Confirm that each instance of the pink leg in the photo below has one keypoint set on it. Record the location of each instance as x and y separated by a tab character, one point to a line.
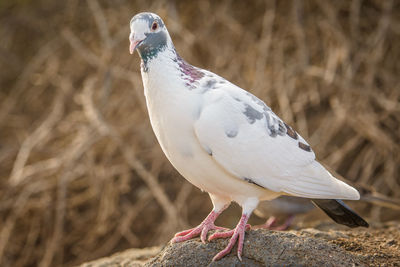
226	234
267	225
285	225
202	229
237	232
185	232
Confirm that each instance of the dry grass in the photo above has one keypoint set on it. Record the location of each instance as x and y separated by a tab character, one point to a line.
81	174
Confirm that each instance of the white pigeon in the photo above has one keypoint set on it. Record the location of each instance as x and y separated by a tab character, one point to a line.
221	138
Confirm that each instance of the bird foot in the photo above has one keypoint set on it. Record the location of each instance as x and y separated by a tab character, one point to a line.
269	224
236	233
225	234
202	229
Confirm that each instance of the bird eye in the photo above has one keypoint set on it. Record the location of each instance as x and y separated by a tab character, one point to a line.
154	26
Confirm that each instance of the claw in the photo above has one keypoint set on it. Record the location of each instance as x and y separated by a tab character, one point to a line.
202	229
269	224
225	234
288	222
195	232
238	232
184	232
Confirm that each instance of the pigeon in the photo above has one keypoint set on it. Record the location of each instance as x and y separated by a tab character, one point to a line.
223	139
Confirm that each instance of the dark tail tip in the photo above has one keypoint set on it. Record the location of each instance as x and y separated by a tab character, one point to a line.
340	212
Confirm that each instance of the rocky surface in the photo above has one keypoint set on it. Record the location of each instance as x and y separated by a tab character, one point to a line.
377	246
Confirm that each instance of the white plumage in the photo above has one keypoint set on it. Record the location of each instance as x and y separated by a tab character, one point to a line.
221	138
276	163
190	123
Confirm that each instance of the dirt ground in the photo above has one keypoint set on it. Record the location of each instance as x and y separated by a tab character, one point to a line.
379	245
327	244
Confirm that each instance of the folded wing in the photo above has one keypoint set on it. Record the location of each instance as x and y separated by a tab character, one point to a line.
252	143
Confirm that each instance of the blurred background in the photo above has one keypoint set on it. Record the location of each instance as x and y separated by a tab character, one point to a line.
81	173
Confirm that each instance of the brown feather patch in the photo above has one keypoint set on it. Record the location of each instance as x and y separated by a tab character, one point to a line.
292	133
305	147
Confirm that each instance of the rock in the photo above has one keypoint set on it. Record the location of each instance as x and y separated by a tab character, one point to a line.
261	248
379	246
132	257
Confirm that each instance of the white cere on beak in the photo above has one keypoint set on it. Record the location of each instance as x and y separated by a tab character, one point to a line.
138	30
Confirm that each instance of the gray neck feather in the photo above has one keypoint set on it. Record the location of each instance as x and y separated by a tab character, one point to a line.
153	44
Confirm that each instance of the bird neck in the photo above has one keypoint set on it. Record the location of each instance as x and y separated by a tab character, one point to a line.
158	63
160	74
166	67
154	46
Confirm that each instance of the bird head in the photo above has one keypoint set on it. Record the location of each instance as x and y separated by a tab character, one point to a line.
148	35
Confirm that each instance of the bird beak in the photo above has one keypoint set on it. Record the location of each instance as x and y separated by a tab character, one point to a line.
133	43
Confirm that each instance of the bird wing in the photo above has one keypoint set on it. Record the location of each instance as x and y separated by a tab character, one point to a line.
252	143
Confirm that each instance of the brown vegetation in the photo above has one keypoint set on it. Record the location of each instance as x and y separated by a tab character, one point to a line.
81	174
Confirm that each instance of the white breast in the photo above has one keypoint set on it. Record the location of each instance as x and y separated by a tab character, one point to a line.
173	110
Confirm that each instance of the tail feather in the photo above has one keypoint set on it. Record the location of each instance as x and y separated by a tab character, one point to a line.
340	212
